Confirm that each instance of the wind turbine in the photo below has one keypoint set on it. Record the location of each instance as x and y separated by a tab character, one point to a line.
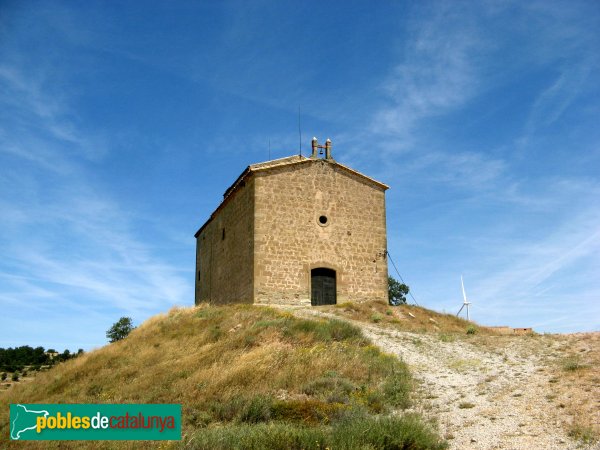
465	302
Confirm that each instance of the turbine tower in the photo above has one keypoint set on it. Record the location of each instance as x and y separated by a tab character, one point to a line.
465	301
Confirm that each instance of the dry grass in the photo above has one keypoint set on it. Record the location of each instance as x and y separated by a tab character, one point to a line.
407	318
578	385
234	364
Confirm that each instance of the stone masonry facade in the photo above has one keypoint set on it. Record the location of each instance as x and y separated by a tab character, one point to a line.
282	219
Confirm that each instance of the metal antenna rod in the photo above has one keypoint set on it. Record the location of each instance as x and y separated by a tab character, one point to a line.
299	133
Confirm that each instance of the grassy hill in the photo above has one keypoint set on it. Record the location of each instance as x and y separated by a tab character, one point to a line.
247	377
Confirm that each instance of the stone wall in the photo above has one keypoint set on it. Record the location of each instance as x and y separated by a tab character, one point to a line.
224	251
290	240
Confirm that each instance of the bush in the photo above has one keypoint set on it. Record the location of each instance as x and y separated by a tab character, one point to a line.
15	376
324	330
471	330
4	375
572	364
258	409
584	434
444	337
330	389
215	333
407	432
397	388
307	411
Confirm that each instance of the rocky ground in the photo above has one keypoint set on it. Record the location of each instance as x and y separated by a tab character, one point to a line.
493	392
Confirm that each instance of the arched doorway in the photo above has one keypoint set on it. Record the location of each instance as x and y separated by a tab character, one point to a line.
322	287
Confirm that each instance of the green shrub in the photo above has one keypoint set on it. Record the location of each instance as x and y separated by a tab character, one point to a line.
407	432
397	388
584	434
324	330
308	411
215	333
374	400
444	337
471	329
573	363
258	409
344	331
210	313
227	410
330	389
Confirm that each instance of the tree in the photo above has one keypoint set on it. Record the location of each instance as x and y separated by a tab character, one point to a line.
397	292
65	355
120	329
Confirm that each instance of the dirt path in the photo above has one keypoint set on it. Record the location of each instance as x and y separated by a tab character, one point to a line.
486	392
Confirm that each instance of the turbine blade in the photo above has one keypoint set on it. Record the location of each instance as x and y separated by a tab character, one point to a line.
463	288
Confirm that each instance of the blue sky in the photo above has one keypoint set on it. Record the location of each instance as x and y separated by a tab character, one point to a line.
122	123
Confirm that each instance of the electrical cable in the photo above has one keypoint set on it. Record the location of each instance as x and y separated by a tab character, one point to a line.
401	279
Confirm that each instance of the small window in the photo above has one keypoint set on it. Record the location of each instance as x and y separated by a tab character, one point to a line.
323	220
198	275
223	234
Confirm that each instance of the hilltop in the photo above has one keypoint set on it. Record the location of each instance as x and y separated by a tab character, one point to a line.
247	377
345	376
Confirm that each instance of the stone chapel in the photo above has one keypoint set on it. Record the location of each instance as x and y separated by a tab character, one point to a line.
298	231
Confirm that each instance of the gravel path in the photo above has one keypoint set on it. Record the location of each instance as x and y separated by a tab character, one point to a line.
485	392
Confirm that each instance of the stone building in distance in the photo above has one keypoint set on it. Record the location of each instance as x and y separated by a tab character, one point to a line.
296	231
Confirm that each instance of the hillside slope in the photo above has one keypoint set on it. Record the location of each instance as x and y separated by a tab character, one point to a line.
251	377
489	390
246	377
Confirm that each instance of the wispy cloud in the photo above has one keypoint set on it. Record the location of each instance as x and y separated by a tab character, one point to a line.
549	276
545	226
40	127
437	74
440	69
65	237
552	102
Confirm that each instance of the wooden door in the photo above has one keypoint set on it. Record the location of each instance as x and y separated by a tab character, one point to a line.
323	287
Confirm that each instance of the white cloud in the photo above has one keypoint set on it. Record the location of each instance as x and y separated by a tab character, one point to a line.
437	75
69	248
540	279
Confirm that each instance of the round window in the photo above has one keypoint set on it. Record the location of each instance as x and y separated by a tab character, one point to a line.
323	220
